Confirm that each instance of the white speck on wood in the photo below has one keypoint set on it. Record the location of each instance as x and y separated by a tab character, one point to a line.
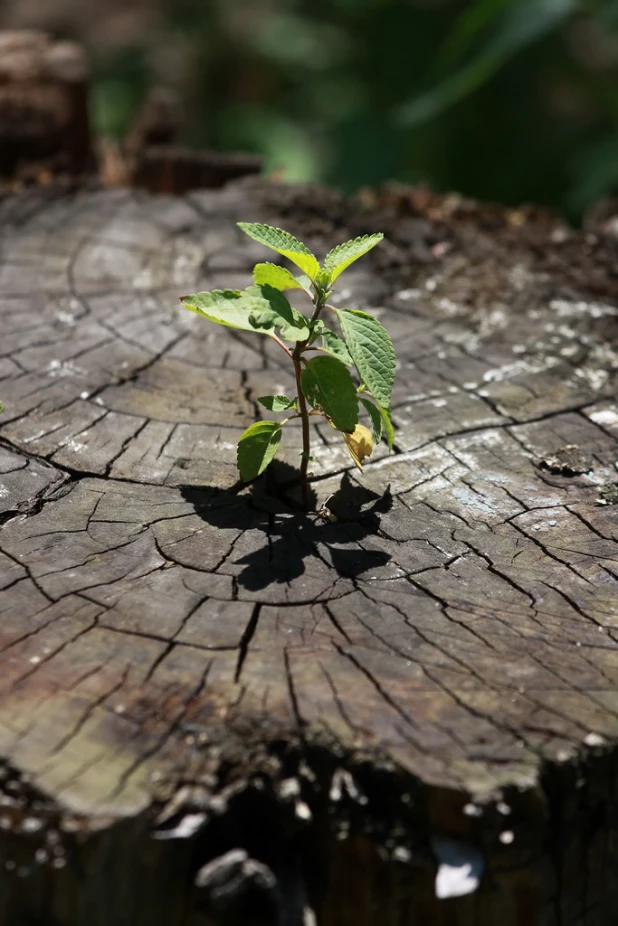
460	867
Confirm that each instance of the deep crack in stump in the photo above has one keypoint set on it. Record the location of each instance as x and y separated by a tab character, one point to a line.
215	710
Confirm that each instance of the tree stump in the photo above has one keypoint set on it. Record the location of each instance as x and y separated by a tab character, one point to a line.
216	710
44	123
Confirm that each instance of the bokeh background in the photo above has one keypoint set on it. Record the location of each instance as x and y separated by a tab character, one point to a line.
508	100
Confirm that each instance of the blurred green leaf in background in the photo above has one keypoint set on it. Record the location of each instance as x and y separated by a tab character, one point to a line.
510	100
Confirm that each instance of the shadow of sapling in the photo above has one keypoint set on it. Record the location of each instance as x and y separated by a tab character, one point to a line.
289	537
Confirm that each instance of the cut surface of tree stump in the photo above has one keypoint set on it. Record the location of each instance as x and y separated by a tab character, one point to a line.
216	710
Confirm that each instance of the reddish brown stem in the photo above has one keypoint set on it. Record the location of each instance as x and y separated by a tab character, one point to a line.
281	344
304	415
302	404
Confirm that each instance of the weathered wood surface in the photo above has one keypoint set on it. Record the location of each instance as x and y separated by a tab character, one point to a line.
335	699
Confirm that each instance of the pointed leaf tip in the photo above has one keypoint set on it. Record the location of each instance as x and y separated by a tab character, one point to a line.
284	243
278	277
388	426
345	254
376	418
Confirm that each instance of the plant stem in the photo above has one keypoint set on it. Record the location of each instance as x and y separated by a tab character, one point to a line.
281	344
318	302
302	408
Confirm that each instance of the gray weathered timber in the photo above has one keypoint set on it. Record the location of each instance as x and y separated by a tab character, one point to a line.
216	711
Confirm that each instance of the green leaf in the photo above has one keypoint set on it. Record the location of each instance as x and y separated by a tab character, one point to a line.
229	307
256	448
323	280
258	308
388	426
327	384
294	325
519	25
266	299
277	403
277	312
276	276
285	244
376	419
332	343
372	351
316	327
345	254
292	333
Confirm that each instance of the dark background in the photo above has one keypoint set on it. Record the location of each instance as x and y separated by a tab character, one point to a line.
510	100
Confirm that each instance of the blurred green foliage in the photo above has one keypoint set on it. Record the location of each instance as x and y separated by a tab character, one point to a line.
511	100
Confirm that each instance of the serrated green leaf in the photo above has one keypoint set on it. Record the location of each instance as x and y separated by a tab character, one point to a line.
285	244
372	351
279	277
327	384
345	254
336	346
388	426
277	403
256	448
376	419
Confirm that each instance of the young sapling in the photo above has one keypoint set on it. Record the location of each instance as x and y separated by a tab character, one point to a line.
321	358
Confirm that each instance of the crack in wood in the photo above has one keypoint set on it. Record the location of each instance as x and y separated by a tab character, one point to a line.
452	635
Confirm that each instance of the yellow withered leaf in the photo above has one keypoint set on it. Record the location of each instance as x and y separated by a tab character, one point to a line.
359	444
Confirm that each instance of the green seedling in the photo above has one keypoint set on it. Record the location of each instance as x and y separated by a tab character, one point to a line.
321	357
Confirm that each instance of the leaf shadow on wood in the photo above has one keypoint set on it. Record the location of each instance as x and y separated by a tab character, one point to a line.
282	539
